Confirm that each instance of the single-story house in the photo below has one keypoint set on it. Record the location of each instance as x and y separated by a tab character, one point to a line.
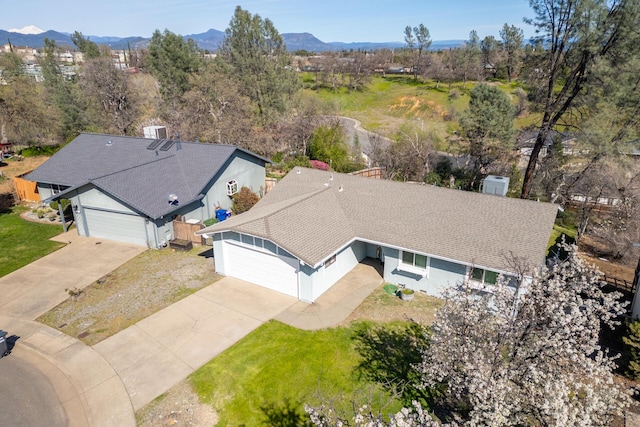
315	226
130	189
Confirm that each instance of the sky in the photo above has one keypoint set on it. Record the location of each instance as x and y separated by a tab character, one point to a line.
328	20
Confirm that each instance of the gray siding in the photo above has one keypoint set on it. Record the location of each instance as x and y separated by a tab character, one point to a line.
442	274
246	170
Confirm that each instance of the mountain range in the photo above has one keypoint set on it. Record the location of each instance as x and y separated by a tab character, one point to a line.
209	40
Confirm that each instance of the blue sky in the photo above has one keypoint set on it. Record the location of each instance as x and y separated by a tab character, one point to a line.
328	20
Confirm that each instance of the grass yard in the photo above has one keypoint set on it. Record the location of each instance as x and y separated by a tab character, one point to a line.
278	368
388	102
22	242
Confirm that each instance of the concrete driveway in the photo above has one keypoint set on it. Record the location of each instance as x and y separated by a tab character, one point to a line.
81	384
38	287
160	351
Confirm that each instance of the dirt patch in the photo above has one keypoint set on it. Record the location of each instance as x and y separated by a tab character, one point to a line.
180	406
12	167
144	285
382	307
609	268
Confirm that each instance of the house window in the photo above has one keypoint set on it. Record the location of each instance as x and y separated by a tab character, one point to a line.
330	261
55	188
484	276
413	263
415	260
232	187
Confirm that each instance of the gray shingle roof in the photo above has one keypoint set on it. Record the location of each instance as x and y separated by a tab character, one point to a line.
128	171
312	220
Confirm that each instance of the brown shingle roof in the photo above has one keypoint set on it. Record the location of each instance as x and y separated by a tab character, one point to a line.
312	220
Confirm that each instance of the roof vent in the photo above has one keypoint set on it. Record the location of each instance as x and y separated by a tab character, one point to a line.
340	189
298	171
326	184
109	143
173	199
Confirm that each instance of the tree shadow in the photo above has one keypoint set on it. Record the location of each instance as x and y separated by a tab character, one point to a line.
285	414
389	355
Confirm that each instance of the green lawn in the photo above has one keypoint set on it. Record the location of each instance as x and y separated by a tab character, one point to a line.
278	368
387	102
22	242
556	237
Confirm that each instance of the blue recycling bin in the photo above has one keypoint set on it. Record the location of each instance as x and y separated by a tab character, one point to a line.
222	214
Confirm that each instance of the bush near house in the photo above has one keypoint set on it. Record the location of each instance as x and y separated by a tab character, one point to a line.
244	200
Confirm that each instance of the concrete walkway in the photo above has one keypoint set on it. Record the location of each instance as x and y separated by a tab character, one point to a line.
88	388
334	306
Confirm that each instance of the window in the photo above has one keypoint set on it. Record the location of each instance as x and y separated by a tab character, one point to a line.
330	261
416	260
232	187
413	263
55	188
484	276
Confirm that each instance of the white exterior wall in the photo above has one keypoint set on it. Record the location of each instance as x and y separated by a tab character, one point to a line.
315	282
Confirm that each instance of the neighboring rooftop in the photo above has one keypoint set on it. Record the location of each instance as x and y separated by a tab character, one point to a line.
127	169
313	213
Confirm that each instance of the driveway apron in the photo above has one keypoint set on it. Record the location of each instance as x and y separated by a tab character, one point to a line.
160	351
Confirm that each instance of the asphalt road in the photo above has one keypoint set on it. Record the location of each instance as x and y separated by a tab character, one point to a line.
27	398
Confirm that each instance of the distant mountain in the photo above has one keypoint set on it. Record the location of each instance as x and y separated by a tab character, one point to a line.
29	29
209	40
34	40
304	41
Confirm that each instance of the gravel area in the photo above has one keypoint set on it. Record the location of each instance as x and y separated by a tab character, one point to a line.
146	284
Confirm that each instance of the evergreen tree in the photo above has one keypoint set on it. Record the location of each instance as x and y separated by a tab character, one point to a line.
258	58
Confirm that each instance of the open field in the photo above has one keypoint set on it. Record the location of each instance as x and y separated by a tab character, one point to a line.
388	102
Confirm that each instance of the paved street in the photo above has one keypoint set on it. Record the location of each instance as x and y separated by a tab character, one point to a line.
27	396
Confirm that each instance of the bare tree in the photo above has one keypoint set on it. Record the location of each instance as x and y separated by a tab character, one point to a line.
112	96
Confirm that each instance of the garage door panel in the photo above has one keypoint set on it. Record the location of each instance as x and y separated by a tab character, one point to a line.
116	226
271	271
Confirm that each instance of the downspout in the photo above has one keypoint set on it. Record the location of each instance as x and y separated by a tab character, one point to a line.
62	219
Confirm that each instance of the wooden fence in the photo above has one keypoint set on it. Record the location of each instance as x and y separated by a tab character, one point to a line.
26	190
376	173
620	284
186	231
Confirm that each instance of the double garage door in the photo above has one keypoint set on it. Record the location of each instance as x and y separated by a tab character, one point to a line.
115	226
275	272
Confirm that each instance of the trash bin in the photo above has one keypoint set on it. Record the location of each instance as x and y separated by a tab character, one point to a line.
3	344
222	214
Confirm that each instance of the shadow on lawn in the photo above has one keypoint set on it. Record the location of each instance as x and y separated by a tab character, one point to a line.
389	353
285	414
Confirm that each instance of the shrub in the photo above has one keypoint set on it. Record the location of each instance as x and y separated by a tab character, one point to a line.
39	150
210	221
244	200
632	344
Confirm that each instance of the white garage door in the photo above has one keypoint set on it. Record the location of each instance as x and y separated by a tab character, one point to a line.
116	226
271	271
